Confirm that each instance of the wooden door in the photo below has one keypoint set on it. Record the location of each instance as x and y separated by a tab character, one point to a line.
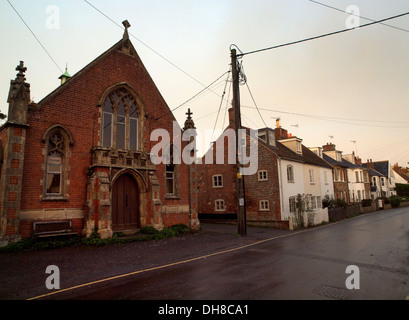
125	204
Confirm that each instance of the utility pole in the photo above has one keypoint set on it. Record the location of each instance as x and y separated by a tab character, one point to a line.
241	205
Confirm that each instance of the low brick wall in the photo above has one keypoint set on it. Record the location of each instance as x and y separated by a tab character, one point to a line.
336	214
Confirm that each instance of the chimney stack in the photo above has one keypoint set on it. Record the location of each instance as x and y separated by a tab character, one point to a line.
328	147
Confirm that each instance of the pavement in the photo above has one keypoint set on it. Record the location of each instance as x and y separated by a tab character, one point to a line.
23	275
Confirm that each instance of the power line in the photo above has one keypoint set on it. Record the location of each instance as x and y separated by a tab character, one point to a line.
38	40
206	88
362	17
322	36
259	113
220	106
324	118
147	46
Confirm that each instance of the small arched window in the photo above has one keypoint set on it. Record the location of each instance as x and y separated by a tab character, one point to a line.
120	121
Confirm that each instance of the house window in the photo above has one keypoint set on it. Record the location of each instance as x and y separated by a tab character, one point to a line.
357	176
339	157
218	181
54	171
264	205
383	182
290	173
171	176
311	176
298	146
262	175
170	179
120	121
293	207
56	163
219	205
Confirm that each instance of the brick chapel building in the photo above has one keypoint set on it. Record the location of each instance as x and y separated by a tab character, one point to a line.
82	154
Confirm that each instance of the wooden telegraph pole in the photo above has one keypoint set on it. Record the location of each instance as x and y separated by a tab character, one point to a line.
241	208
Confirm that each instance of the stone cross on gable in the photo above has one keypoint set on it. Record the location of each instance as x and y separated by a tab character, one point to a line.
21	70
189	114
189	123
127	25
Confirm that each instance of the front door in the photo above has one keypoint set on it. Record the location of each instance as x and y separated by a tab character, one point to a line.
125	204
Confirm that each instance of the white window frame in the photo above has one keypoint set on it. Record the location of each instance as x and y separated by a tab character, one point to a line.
293	204
262	175
219	205
216	182
311	173
290	177
264	205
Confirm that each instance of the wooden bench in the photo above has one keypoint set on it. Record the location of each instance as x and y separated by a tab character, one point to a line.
52	229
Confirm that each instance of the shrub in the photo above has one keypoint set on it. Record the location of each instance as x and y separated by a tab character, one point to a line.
180	228
148	230
395	201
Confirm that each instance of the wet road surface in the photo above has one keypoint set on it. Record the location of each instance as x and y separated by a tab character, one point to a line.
265	265
308	265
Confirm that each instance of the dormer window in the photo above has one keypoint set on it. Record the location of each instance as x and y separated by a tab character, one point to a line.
339	157
299	146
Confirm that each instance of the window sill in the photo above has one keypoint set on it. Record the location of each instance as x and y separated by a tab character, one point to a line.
171	197
54	198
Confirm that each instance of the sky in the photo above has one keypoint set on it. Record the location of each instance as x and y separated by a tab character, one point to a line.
350	89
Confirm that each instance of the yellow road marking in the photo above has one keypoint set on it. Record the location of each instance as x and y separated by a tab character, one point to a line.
181	262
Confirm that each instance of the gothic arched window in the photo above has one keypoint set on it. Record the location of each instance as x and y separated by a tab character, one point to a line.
120	121
54	163
57	142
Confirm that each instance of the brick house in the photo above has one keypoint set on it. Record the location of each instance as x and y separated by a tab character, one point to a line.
376	179
386	175
340	171
82	154
217	187
359	182
286	168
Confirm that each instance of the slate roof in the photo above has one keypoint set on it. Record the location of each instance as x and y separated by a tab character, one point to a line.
350	165
311	158
332	161
401	174
382	167
373	172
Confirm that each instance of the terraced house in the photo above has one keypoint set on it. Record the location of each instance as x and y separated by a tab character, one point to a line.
286	169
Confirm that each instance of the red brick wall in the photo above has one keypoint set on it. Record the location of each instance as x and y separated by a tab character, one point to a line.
75	107
255	190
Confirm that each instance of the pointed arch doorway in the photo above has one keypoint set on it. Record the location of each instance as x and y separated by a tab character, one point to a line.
125	204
